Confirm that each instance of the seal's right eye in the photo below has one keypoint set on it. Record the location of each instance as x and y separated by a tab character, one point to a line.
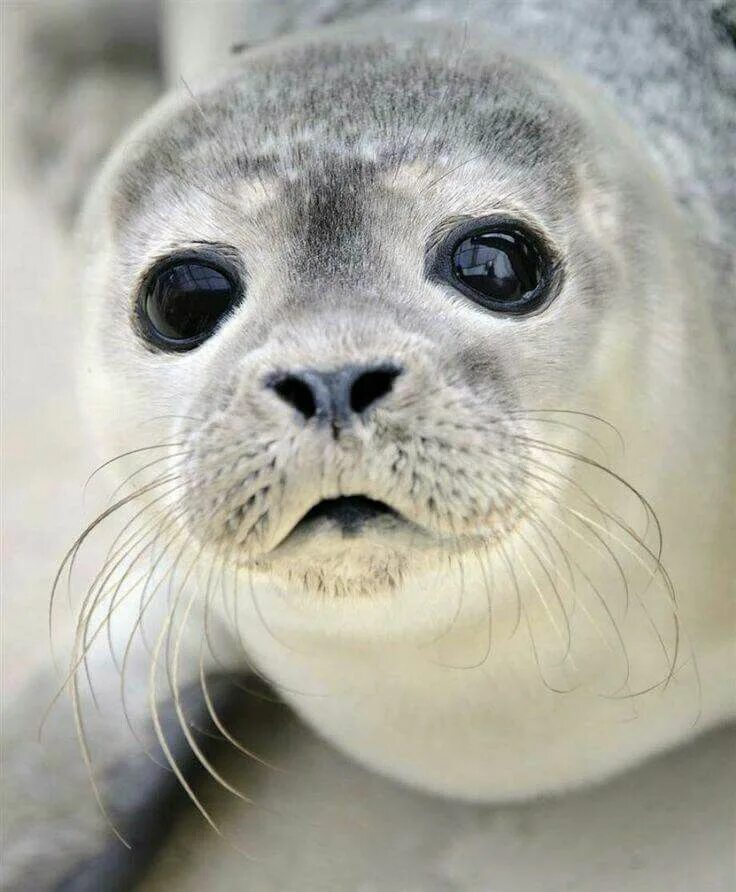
184	299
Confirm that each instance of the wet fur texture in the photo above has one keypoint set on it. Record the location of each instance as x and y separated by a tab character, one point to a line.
561	605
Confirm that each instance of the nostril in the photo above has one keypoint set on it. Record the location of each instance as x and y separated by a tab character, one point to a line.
297	393
334	395
370	386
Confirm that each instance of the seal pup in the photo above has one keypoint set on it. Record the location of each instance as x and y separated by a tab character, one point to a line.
387	316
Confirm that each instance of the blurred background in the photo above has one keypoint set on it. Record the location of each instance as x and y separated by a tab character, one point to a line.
322	823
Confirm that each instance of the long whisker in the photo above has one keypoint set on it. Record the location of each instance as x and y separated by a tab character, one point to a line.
171	467
601	600
79	654
87	757
123	455
97	590
164	519
68	560
591	416
458	607
84	612
451	170
556	486
172	669
146	601
433	119
567	637
205	641
583	459
161	737
530	632
564	425
672	661
598	531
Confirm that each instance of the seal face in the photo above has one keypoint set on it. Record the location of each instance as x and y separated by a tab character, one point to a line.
387	313
404	406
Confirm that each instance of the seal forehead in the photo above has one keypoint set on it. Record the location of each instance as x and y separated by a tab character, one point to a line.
380	103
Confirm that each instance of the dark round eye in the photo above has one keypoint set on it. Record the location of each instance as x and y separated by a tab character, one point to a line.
498	264
184	299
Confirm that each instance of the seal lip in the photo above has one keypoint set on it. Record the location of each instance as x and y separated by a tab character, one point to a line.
214	256
349	517
439	265
350	513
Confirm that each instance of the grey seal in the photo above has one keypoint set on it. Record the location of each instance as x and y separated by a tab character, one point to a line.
438	346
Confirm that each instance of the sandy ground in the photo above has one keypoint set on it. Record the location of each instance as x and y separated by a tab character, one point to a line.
322	824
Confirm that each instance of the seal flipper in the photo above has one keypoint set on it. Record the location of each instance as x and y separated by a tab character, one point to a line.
144	800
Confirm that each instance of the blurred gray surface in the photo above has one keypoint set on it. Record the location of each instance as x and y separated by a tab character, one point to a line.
321	824
325	824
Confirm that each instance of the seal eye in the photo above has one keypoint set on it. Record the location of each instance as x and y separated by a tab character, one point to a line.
499	264
184	299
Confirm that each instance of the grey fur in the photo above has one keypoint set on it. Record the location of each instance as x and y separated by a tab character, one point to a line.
676	86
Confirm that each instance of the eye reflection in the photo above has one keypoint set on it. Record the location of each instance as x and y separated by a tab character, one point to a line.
185	300
498	265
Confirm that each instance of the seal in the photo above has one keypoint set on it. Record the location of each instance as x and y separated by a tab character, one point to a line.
445	401
411	295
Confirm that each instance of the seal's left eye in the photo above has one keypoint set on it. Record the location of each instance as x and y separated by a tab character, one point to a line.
183	301
499	264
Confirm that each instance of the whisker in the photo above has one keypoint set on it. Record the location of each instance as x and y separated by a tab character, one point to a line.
123	455
604	605
235	621
205	641
84	608
79	654
452	170
87	758
161	737
162	521
591	416
68	560
437	111
217	721
576	456
169	418
604	545
173	676
172	467
567	637
671	661
458	607
96	591
143	607
571	427
532	639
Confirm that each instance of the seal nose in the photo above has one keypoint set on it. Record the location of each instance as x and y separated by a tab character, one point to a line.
337	395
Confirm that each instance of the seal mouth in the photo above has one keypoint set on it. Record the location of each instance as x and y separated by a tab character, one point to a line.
349	513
